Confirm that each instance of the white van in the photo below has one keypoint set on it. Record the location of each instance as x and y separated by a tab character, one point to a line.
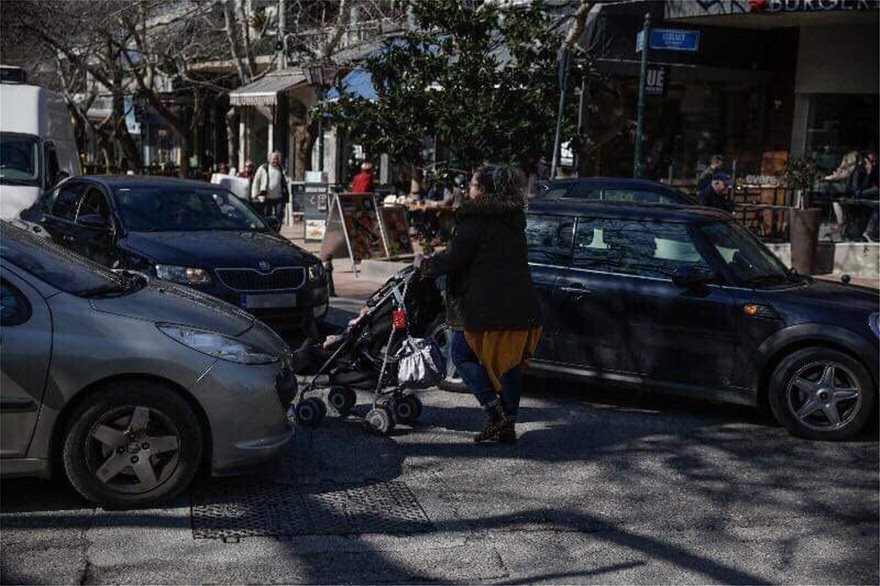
37	147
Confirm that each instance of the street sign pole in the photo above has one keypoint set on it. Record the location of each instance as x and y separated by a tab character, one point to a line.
640	124
564	58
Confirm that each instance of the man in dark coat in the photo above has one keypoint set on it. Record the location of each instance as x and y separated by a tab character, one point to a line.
714	195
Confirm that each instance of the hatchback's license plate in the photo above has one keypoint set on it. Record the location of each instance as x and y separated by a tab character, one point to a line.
268	301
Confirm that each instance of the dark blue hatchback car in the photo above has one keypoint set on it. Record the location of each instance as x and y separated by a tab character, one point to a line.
685	300
189	232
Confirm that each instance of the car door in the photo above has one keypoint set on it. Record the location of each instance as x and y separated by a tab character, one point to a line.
93	230
25	343
549	240
59	222
639	320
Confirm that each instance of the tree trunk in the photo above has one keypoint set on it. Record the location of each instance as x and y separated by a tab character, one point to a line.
304	136
232	120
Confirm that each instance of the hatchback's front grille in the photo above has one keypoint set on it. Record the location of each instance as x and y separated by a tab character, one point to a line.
279	279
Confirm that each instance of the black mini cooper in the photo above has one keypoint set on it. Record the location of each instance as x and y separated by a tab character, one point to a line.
685	300
189	232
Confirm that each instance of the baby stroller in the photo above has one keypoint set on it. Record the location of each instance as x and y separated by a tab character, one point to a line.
365	357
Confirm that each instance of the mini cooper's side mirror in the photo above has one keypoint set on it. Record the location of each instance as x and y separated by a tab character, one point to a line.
688	277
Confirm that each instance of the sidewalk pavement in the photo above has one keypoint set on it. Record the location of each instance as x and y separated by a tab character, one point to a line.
346	284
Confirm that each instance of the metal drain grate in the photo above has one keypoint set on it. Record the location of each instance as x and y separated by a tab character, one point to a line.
227	510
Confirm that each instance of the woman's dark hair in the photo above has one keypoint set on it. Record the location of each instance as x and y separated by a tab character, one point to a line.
501	181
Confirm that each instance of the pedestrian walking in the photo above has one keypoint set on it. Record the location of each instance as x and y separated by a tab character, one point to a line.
716	165
269	188
491	304
363	181
864	186
714	195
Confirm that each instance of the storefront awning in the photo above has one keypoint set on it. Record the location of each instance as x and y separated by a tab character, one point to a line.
358	83
264	92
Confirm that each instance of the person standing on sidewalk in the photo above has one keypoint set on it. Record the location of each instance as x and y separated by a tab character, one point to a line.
363	181
714	195
269	189
491	303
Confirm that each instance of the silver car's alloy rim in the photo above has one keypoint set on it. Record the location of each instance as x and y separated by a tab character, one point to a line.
824	395
133	449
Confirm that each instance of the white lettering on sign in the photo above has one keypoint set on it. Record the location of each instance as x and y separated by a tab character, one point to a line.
771	6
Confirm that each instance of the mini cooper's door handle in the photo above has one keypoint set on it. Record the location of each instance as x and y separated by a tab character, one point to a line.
575	288
67	238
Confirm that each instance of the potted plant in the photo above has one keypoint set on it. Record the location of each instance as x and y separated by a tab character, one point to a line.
798	176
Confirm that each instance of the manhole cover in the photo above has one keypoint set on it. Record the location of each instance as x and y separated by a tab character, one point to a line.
226	510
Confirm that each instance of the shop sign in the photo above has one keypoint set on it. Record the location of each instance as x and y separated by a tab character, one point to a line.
657	80
781	6
667	39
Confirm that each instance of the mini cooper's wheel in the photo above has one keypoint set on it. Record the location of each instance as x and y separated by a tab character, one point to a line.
380	420
342	399
822	394
406	409
135	443
308	413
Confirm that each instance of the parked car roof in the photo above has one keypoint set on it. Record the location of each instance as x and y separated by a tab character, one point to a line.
117	181
631	210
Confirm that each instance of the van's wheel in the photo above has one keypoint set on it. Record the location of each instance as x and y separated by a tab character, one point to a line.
135	443
441	334
822	394
380	420
342	399
308	413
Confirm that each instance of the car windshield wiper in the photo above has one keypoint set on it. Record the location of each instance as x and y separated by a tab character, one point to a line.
769	277
105	289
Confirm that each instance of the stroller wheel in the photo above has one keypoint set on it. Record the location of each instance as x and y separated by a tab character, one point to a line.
342	399
406	409
380	420
308	413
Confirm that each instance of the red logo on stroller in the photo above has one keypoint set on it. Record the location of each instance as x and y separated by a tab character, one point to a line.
398	319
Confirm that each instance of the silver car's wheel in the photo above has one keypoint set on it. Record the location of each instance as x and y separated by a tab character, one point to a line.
132	444
443	336
820	393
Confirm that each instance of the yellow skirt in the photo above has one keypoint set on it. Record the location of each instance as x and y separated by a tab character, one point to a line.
499	351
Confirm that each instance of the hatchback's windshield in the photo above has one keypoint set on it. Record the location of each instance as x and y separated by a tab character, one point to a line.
744	255
163	209
57	266
19	159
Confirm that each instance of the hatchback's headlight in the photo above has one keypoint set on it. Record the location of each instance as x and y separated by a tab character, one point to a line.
316	272
217	345
874	323
185	275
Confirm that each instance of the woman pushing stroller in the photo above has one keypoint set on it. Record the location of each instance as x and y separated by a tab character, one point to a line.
491	305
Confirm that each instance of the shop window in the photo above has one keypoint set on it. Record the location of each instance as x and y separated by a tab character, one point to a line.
841	123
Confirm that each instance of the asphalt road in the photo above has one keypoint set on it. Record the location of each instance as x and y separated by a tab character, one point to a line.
604	486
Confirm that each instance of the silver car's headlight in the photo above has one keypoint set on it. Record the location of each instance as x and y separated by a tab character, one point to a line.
316	272
217	345
874	323
185	275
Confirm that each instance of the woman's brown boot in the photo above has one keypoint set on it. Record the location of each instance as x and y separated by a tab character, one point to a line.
496	419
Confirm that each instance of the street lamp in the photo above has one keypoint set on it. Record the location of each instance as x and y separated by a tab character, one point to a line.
316	76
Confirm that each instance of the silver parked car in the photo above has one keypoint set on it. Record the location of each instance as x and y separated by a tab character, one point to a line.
131	383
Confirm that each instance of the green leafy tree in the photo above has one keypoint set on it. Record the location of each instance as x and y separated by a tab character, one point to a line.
481	78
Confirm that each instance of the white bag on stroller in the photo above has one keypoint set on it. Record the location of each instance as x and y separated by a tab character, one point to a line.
421	363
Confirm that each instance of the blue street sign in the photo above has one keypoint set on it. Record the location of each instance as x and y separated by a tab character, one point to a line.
668	39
